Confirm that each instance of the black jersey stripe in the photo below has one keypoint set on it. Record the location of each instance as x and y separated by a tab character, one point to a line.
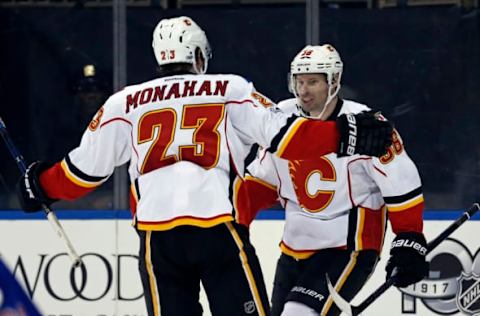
137	189
78	173
251	156
277	139
402	198
352	228
232	175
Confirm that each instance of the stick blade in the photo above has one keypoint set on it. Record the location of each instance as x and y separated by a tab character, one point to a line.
340	301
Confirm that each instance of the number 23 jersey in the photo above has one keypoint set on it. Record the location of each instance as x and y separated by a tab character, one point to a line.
186	137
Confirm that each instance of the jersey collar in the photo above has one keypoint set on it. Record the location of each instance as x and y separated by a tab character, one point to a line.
337	109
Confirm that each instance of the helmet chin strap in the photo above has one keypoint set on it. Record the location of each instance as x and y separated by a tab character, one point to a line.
330	97
205	65
200	70
196	68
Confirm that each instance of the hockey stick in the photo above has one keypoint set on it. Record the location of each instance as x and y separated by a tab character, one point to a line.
352	310
52	218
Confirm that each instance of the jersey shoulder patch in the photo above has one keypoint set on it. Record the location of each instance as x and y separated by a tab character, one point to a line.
95	122
262	99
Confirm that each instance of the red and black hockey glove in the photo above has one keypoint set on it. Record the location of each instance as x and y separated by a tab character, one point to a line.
364	133
407	262
29	190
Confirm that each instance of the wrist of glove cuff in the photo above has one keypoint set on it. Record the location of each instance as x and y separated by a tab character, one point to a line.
29	190
407	259
363	133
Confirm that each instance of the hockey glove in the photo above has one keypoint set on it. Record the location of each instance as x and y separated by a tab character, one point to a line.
363	133
407	259
29	190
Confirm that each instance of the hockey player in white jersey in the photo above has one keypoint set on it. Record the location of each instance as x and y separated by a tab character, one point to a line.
185	136
335	207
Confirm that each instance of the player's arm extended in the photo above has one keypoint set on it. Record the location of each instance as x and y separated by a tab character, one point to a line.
402	191
105	144
297	138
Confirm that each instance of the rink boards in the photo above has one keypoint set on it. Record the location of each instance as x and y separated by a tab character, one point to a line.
109	283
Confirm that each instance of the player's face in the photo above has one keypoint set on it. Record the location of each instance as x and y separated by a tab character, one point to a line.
312	91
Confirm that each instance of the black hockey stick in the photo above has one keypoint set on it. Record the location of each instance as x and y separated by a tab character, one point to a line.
52	218
352	310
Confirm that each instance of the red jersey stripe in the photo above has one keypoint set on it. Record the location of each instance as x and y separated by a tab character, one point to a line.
57	185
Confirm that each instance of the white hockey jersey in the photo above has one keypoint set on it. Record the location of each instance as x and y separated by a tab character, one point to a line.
340	202
186	138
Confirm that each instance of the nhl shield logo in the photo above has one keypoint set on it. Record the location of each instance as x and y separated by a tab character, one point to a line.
468	294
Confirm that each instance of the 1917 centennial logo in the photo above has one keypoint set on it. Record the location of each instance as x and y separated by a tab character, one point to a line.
453	283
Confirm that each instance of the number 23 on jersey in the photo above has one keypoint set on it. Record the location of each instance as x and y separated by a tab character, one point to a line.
204	150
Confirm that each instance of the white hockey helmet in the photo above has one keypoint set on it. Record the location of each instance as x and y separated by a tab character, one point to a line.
175	40
318	59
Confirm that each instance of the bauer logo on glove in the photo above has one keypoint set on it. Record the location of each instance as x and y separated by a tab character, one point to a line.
364	133
407	263
410	244
352	137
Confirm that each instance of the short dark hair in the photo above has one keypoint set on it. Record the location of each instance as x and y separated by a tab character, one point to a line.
176	68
